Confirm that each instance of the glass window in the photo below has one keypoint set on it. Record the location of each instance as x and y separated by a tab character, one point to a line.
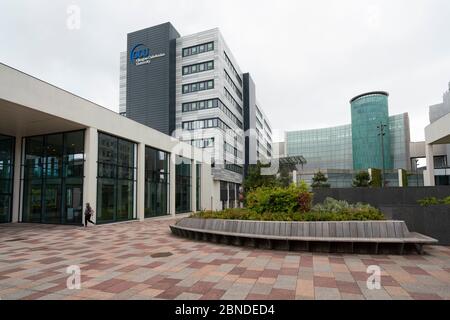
53	178
156	182
6	175
183	184
116	179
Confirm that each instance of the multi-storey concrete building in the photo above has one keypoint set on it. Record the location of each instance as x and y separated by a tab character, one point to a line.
436	147
192	88
123	84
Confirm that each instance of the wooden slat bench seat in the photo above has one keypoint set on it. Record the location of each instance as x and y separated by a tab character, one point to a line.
306	235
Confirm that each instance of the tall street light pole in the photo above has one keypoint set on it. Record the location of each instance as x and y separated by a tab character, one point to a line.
416	170
381	128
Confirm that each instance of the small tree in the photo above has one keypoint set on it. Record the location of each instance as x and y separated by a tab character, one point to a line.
362	179
254	179
284	179
320	180
376	180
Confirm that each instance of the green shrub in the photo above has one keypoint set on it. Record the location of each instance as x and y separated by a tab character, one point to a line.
432	201
362	179
319	180
304	201
376	180
245	214
446	200
343	209
279	199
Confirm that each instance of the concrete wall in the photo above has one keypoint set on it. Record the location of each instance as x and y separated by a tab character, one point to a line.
433	221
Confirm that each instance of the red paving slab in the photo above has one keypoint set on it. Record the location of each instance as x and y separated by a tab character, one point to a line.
116	262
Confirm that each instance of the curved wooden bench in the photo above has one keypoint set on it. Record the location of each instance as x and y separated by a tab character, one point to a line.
330	236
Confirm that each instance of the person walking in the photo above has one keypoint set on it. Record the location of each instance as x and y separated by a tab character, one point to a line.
88	212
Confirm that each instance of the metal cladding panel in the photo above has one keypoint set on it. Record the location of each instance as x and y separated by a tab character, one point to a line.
151	86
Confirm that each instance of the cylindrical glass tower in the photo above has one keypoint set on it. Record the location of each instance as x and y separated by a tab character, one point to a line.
369	112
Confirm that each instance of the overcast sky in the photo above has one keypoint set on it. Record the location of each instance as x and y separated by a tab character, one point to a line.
307	58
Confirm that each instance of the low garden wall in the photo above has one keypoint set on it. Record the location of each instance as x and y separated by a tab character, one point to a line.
433	221
382	196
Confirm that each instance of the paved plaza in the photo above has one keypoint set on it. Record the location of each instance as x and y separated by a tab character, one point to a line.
143	260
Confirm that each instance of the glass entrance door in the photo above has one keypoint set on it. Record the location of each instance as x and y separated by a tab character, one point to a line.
73	204
52	203
32	202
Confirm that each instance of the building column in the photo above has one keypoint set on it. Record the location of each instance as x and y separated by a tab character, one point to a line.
172	184
294	177
429	175
140	182
193	186
90	170
400	177
16	216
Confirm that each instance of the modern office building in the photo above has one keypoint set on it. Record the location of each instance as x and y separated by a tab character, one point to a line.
191	87
327	148
370	115
59	151
436	147
341	151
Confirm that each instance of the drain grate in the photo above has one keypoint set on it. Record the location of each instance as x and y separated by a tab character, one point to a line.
14	240
161	254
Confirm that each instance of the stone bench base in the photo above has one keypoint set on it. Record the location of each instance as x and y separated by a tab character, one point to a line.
264	235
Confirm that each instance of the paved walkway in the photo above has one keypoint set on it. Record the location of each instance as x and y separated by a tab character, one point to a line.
116	263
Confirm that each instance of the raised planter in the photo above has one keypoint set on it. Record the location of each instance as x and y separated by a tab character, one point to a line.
431	220
340	236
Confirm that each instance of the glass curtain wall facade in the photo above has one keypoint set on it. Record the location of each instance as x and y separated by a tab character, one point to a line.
116	183
327	148
156	182
6	177
53	178
369	111
400	140
183	185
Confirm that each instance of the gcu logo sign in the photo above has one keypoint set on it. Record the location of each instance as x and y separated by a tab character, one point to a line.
137	53
140	55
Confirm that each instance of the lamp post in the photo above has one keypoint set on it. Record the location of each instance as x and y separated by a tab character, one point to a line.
417	174
381	128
